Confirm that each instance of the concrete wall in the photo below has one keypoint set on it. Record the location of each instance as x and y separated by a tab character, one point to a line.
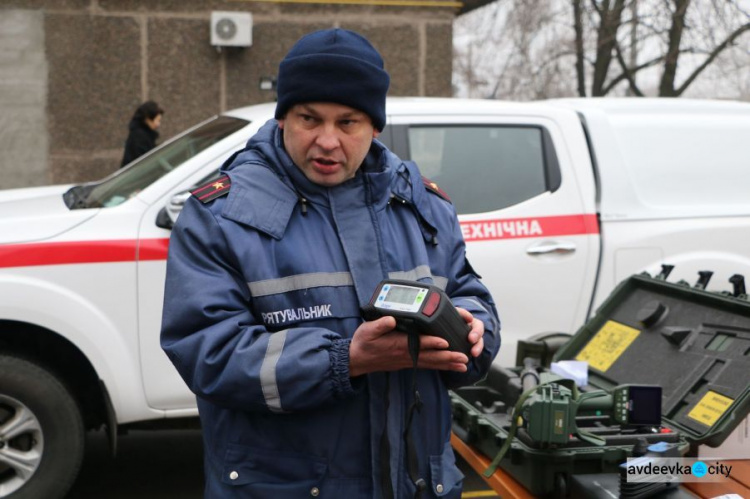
90	63
23	98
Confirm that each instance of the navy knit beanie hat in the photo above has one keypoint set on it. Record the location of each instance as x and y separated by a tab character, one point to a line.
334	65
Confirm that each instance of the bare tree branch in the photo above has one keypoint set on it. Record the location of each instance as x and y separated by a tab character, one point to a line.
610	22
578	28
627	74
715	53
666	85
521	49
596	6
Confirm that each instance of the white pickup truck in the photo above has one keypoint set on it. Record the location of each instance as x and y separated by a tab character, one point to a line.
558	201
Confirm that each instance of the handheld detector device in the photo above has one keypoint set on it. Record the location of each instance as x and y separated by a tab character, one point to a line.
420	308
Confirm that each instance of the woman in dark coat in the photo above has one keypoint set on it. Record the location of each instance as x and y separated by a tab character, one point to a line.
143	134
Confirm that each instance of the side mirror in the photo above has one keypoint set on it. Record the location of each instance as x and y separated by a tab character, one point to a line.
168	215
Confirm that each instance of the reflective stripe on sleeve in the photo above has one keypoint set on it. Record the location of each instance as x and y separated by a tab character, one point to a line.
412	275
298	282
440	282
484	309
268	371
421	272
479	305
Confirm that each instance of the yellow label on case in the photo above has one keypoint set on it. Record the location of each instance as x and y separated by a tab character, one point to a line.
607	345
710	408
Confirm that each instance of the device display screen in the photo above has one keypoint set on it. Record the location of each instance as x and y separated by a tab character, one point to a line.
402	298
645	405
402	294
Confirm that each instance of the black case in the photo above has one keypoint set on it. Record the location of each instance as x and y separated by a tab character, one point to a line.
695	344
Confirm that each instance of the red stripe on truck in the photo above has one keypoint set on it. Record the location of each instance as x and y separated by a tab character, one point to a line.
153	249
69	252
129	250
514	228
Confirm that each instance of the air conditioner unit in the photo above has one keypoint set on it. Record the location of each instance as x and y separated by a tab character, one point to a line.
231	29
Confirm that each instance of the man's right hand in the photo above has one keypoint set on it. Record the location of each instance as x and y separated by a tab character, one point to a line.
376	346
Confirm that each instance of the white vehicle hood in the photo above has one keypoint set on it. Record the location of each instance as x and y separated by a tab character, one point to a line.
37	213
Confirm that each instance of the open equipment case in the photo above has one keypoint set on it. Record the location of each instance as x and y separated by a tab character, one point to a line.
693	343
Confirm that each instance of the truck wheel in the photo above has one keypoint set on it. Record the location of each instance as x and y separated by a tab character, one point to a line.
41	432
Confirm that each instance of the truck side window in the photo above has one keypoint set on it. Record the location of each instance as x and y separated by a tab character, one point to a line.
483	168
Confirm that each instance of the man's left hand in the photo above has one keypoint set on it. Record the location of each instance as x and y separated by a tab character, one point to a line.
476	333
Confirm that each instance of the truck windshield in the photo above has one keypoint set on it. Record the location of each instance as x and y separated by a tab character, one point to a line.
128	182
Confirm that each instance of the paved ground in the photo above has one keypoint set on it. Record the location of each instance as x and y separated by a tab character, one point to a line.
149	465
165	464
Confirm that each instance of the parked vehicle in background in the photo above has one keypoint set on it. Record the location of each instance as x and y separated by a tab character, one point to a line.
558	201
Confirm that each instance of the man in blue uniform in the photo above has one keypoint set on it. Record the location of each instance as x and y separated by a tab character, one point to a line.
268	270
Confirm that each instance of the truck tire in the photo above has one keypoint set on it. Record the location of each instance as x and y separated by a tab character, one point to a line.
41	432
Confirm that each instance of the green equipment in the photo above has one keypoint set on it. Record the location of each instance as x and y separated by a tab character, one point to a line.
550	410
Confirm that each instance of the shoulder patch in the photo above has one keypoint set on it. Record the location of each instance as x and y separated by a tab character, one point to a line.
433	187
213	189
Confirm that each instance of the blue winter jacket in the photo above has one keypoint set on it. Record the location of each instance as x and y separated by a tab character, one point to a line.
263	294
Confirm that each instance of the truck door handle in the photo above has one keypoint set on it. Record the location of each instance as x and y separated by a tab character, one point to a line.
546	247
